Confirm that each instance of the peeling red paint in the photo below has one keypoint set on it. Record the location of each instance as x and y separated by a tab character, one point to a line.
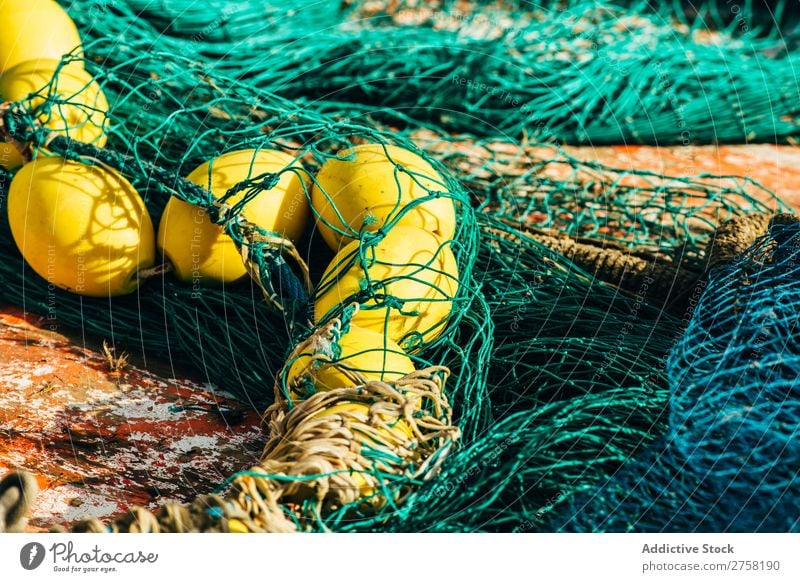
100	442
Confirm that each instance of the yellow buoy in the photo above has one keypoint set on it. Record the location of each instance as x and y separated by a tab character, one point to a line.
412	267
34	29
199	250
82	228
81	113
364	353
363	188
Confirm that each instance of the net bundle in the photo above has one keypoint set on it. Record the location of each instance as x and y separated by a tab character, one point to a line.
575	72
181	117
585	391
729	459
575	279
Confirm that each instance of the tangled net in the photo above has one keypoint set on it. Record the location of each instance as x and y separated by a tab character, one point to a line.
729	458
211	122
557	380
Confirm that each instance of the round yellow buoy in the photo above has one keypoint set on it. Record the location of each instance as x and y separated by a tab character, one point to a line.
414	269
199	250
83	115
237	526
363	352
364	188
82	228
35	29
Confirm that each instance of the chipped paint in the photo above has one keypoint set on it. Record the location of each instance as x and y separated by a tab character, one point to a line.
99	441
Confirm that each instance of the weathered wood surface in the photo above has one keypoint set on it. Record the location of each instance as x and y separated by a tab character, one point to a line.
100	441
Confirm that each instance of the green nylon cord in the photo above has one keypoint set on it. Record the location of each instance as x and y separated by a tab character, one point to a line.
582	72
557	376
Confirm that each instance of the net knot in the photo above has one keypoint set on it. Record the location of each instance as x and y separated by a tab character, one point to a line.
223	214
371	238
256	184
347	315
413	341
393	302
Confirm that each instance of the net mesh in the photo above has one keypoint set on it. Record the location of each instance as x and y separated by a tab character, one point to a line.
728	460
574	72
556	368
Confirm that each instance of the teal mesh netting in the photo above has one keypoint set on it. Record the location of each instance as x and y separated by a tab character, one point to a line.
565	374
577	72
729	459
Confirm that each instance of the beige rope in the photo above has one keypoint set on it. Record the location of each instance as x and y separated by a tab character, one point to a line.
627	269
735	236
318	347
17	493
664	278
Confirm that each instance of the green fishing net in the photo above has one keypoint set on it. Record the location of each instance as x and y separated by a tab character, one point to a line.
562	368
573	72
733	407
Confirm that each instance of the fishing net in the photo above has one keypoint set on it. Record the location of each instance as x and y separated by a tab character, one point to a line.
575	279
165	141
729	459
577	72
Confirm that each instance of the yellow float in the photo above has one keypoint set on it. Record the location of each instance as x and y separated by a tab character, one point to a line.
198	249
81	116
82	228
410	266
364	354
363	188
33	30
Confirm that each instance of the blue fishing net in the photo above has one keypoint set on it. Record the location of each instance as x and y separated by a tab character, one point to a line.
730	458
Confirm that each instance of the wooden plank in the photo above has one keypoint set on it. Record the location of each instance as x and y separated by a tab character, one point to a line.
100	441
776	167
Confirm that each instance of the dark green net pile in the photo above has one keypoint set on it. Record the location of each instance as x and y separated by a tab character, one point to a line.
575	72
561	373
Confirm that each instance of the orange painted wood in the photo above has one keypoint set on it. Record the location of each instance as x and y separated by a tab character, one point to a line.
776	167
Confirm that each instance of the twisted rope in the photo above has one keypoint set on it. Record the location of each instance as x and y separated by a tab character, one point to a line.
665	277
18	490
734	237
